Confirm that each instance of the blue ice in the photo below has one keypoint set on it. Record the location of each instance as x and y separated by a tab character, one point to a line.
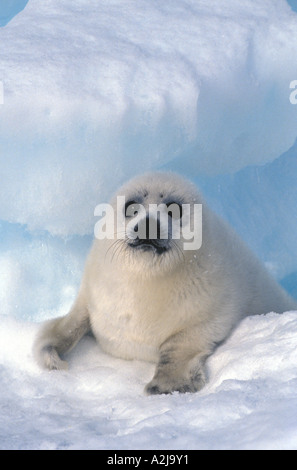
9	9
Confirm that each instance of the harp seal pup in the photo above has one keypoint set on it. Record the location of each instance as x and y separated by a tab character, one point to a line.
153	300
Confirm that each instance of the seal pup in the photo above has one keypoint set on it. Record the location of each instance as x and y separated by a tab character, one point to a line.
153	298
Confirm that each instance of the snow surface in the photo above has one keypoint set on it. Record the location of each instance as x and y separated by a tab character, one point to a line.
250	401
95	92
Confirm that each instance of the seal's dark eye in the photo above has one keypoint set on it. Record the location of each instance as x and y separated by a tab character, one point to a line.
174	210
131	208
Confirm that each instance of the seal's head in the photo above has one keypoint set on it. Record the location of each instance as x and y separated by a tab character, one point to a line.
155	222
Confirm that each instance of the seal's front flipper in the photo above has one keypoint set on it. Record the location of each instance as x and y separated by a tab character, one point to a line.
58	336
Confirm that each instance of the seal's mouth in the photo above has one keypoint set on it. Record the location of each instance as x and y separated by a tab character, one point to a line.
155	246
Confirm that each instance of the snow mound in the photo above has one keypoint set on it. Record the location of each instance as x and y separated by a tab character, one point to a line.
249	402
95	92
